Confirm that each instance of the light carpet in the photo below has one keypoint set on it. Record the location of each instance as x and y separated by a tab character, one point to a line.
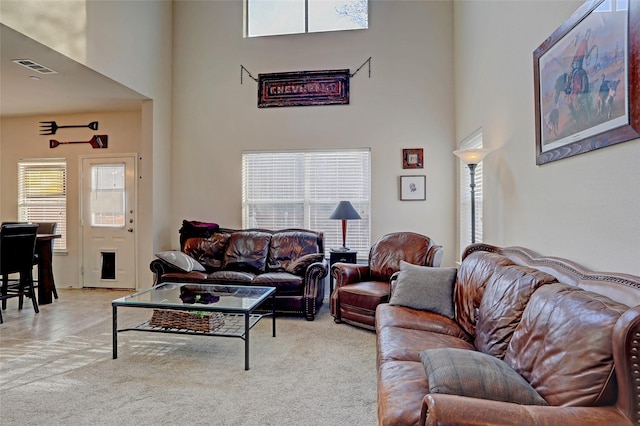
312	373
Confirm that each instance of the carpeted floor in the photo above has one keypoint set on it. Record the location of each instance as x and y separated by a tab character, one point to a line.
312	373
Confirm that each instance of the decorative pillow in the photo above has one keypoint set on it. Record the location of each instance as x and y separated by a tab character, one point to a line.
180	260
300	265
477	375
425	288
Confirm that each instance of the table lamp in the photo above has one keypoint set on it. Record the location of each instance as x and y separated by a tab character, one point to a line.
344	211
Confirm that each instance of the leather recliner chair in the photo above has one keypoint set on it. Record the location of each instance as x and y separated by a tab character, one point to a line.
360	288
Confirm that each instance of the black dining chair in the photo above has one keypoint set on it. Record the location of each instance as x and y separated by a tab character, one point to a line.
17	249
46	228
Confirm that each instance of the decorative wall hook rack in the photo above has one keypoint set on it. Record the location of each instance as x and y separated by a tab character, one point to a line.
244	70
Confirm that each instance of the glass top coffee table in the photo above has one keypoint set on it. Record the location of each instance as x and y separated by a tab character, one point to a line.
198	309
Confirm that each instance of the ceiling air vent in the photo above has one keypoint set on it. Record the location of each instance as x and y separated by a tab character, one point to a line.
28	63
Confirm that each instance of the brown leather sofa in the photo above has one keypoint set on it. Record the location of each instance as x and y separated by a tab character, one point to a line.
360	288
291	260
572	334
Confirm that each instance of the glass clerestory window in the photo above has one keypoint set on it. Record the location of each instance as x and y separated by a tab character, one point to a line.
277	17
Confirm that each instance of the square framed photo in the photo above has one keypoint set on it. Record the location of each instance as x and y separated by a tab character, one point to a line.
412	158
413	188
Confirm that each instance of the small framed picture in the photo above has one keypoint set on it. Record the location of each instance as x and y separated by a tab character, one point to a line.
412	158
413	188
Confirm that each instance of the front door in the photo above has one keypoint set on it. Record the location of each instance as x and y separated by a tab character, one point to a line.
108	222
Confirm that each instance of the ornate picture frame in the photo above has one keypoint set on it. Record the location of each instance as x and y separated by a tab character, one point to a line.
587	81
413	188
412	158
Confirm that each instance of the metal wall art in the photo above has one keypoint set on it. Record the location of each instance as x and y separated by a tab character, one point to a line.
97	141
51	127
303	88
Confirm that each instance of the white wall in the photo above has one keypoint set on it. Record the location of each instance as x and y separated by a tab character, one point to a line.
20	139
130	42
585	208
407	103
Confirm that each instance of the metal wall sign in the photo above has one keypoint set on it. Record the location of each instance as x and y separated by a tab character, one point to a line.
302	88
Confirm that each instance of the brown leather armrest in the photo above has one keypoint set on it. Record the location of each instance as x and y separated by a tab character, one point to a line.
346	273
439	409
159	268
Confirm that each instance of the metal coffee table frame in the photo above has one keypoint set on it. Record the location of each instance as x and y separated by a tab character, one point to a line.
233	326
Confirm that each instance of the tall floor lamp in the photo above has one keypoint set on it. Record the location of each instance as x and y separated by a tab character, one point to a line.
472	157
344	211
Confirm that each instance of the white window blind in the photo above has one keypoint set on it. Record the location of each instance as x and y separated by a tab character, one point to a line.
42	194
301	190
472	141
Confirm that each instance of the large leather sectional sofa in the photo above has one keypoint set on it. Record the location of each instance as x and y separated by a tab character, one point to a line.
572	337
291	260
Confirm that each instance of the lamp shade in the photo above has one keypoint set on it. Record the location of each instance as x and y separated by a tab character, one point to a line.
344	211
472	155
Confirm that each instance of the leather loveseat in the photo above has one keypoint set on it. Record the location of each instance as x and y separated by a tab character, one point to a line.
291	260
529	340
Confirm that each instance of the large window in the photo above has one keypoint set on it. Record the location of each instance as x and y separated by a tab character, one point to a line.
42	194
301	189
473	141
275	17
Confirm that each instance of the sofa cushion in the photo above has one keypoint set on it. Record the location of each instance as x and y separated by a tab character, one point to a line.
300	265
477	375
425	288
474	272
207	251
284	282
402	317
230	277
401	387
287	246
365	295
247	251
505	296
180	260
405	344
562	345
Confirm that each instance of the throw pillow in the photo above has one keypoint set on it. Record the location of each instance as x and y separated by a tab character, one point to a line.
180	260
477	375
300	265
425	288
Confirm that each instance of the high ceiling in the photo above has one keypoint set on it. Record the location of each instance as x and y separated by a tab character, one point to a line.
75	88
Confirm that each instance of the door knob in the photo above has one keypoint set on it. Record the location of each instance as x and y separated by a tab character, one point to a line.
130	229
